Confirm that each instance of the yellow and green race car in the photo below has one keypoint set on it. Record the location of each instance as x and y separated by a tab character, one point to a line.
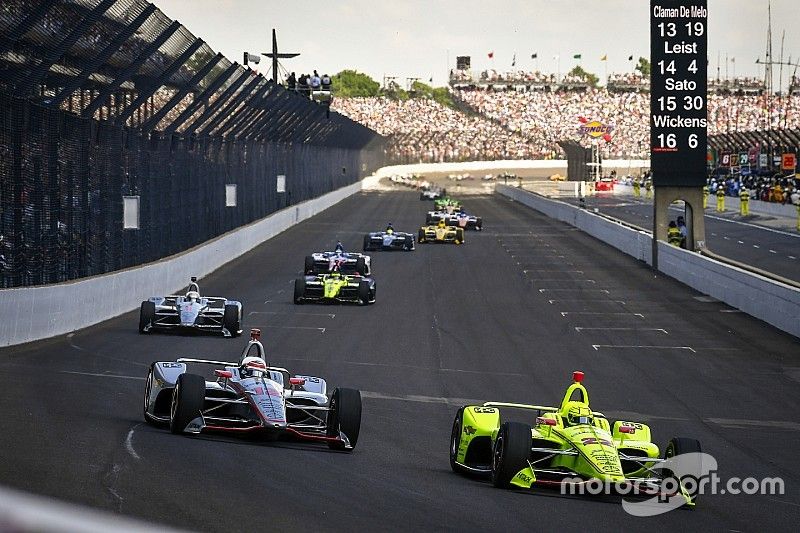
568	444
441	232
335	288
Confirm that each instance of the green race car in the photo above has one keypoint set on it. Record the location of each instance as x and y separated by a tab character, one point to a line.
335	288
447	204
566	444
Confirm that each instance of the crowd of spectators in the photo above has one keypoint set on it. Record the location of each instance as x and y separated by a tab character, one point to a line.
423	130
529	124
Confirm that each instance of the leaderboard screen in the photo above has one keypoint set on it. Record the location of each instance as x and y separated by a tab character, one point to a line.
678	92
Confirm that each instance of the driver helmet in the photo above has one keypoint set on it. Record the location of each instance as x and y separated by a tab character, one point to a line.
192	296
578	414
389	228
339	247
441	223
253	367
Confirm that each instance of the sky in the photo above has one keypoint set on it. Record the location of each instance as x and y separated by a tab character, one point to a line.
421	39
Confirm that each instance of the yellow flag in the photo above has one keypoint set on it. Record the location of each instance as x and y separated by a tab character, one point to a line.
604	58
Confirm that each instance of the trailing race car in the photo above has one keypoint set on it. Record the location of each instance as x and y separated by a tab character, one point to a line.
447	204
459	219
565	443
441	232
335	288
388	240
191	311
345	262
250	396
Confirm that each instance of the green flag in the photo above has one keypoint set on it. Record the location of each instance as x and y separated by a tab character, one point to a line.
576	56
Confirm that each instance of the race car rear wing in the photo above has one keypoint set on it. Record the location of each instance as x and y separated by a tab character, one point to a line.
225	363
532	407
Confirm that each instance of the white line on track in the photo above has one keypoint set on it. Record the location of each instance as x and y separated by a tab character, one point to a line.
740	242
565	313
773	252
621	302
780	232
329	315
321	330
642	347
99	375
564	279
129	442
662	330
558	270
792	257
574	290
756	246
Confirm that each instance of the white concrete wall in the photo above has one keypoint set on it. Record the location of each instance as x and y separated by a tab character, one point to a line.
481	166
770	301
33	313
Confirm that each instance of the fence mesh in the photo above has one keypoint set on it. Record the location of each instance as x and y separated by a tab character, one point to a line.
103	99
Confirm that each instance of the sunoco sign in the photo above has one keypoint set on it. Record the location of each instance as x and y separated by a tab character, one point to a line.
595	129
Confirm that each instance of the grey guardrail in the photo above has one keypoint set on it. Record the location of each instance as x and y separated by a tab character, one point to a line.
766	298
33	313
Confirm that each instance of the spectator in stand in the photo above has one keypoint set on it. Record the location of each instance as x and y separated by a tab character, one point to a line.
326	82
302	85
291	82
315	82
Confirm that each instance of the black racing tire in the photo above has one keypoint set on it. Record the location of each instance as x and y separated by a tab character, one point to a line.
309	265
460	236
421	196
361	266
455	440
147	314
479	224
421	236
409	243
345	416
187	401
681	446
299	290
367	243
428	220
364	293
510	453
148	386
232	319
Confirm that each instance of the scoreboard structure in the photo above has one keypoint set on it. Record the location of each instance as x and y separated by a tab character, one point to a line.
678	112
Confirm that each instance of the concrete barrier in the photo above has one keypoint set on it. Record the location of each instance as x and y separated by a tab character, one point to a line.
768	300
33	313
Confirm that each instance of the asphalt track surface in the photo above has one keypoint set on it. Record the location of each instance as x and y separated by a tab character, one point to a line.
758	240
507	316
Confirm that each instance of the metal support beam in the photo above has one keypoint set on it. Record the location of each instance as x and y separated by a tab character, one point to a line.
226	112
270	106
280	115
165	75
40	71
218	103
130	70
153	121
101	58
248	116
202	97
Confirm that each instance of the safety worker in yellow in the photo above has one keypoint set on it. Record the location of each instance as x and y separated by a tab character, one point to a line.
705	196
721	198
648	187
777	193
674	236
637	188
744	201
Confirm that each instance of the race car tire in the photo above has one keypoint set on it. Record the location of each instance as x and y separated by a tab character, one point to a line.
299	290
479	224
361	266
421	236
682	446
187	401
147	313
459	235
510	454
148	387
455	440
364	293
231	320
428	220
344	415
409	243
309	265
367	243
